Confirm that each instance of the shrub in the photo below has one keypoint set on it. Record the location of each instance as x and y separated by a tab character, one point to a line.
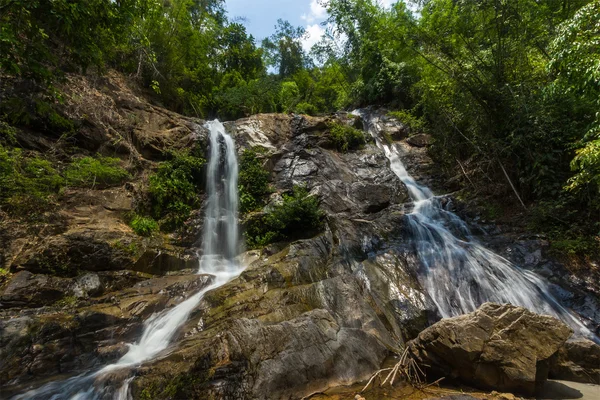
415	124
253	180
174	189
297	216
26	183
345	138
8	134
143	226
306	108
95	172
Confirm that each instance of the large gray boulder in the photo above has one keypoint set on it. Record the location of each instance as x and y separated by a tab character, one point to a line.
577	361
498	347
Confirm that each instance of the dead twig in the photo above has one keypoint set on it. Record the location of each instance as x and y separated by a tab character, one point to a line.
408	369
373	377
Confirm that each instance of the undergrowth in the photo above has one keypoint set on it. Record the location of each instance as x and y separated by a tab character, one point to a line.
173	192
298	216
415	124
253	180
345	138
98	172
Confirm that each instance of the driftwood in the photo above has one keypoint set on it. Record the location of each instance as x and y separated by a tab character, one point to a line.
408	369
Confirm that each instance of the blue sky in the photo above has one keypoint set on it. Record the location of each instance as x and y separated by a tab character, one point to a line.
262	15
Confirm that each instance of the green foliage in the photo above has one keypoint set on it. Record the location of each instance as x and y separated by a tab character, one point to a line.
8	134
306	108
289	96
345	138
253	180
37	110
415	124
38	36
576	63
143	226
174	189
560	219
98	172
284	49
298	216
132	248
66	302
27	183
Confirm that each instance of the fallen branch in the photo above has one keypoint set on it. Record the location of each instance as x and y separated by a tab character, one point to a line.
373	377
408	368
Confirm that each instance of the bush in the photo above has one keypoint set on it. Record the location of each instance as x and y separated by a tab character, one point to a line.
8	134
306	108
253	180
345	138
95	172
298	216
26	183
174	189
143	226
415	124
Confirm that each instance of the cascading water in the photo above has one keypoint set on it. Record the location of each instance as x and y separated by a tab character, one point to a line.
458	273
220	248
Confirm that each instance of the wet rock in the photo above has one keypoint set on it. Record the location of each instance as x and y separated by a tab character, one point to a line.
161	261
26	289
499	347
420	140
577	361
83	335
87	285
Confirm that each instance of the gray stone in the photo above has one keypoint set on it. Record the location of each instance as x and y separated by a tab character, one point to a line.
500	347
577	361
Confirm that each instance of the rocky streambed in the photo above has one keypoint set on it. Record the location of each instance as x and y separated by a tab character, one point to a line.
304	316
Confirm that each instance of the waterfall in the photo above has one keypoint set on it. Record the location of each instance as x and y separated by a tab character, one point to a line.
220	248
457	272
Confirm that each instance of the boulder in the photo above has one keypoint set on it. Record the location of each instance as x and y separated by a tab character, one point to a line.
30	290
577	361
420	140
497	347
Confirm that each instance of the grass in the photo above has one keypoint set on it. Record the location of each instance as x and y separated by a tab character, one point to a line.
92	172
27	183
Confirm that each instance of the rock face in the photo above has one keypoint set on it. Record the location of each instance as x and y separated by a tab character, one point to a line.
314	313
304	316
577	361
500	347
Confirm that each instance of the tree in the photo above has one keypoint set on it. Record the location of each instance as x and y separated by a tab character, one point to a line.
575	64
283	49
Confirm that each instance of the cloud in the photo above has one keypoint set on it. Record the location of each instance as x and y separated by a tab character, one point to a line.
317	12
313	35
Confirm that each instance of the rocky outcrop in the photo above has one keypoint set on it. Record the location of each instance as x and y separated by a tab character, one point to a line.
78	334
499	347
577	361
304	316
315	313
420	140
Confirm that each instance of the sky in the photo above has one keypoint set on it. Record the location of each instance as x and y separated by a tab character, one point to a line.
261	16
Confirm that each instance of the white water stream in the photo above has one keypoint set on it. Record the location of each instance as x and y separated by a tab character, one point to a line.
220	248
457	272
